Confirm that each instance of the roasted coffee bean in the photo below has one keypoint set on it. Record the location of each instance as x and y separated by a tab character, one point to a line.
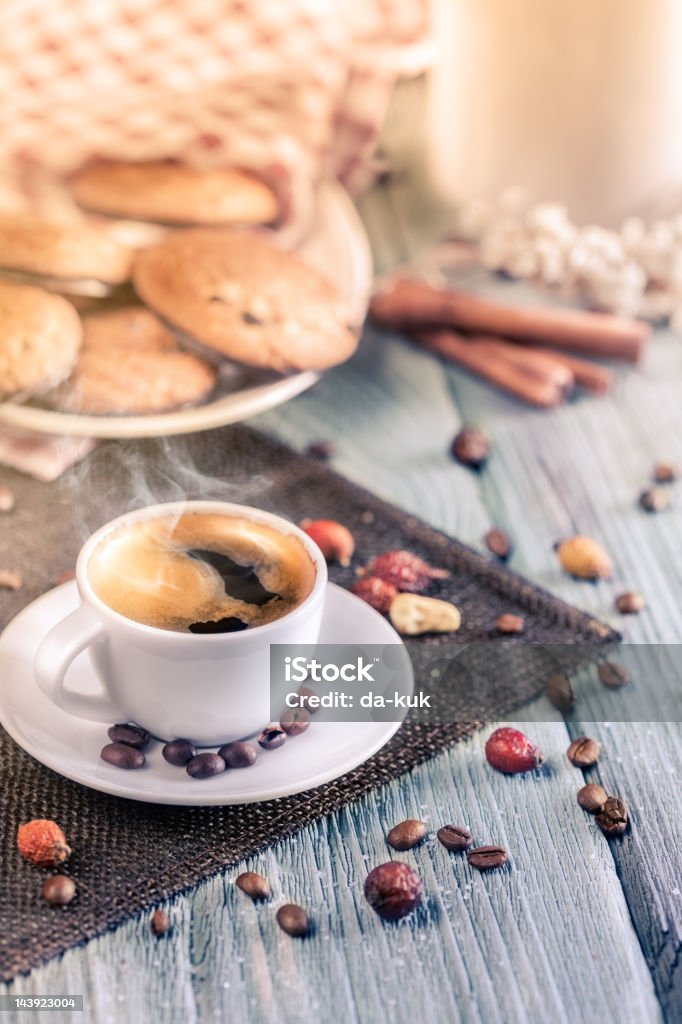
613	674
179	752
471	447
655	499
509	624
293	920
560	693
584	752
630	602
323	451
304	695
272	738
665	473
592	798
393	890
238	755
406	834
254	885
131	735
205	766
613	818
485	858
455	838
295	721
499	543
122	756
58	890
160	922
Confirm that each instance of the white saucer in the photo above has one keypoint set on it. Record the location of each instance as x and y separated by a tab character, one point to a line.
71	746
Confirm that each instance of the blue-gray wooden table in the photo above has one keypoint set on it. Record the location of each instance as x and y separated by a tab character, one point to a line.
579	928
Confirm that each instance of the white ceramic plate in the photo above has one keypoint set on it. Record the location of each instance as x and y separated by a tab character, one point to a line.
337	246
71	745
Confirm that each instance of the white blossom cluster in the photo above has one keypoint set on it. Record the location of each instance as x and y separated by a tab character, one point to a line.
636	271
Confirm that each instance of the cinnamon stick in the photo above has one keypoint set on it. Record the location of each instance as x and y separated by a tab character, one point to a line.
483	359
531	361
587	375
413	303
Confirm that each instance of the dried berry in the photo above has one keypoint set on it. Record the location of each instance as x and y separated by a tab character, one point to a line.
509	624
413	615
471	447
59	890
131	735
509	751
238	754
393	889
160	922
254	885
405	570
272	737
376	592
6	499
499	543
122	756
321	450
655	499
179	752
613	817
584	752
485	858
65	577
205	766
293	920
583	558
334	540
295	721
665	473
560	693
42	842
10	579
407	834
455	838
592	798
630	603
613	674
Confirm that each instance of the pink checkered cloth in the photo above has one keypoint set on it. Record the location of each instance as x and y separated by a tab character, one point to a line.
294	89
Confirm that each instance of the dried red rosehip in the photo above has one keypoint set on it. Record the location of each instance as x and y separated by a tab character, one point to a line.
377	592
334	540
393	890
405	570
509	751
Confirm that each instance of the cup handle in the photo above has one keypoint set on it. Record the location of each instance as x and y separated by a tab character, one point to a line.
58	649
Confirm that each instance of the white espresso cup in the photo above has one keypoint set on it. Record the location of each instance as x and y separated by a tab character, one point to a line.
207	688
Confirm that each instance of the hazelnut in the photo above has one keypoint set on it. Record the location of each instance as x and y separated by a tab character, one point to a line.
412	615
584	558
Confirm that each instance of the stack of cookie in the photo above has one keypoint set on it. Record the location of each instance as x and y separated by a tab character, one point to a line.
214	292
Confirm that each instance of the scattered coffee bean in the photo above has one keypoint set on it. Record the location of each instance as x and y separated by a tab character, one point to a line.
254	885
11	580
485	858
613	818
238	755
630	603
471	447
509	624
293	920
499	543
511	752
179	752
272	737
295	721
160	922
592	798
58	890
122	756
407	834
6	499
560	693
455	838
323	451
665	473
584	752
655	499
131	735
304	699
613	674
393	890
205	766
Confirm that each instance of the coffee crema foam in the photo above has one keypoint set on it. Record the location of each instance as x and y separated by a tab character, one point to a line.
152	571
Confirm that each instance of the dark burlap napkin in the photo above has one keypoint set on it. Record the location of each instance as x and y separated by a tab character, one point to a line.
126	855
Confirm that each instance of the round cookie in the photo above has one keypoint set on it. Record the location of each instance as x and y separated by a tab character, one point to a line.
171	193
40	335
62	252
131	364
241	297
